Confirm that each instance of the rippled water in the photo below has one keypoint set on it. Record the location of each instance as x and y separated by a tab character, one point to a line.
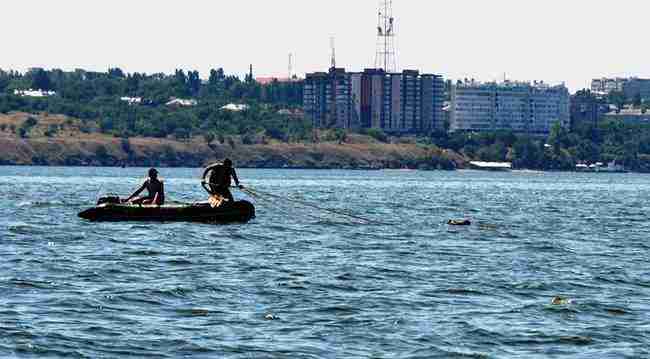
296	283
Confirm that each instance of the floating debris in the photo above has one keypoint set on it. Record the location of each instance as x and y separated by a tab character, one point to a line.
576	340
616	311
199	312
459	222
561	301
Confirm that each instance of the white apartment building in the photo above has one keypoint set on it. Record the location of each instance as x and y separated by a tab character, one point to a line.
606	85
510	106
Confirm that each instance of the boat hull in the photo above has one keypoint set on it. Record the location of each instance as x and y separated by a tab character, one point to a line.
241	211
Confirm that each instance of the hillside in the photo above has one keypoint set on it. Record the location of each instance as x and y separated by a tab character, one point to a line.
60	140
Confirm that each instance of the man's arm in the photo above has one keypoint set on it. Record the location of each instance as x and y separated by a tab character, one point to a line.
159	198
137	192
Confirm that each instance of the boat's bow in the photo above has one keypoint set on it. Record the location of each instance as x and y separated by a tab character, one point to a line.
90	214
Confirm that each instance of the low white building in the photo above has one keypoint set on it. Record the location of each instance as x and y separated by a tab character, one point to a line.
132	100
519	107
235	107
179	102
606	85
34	93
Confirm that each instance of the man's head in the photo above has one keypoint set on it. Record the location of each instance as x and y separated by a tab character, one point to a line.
153	173
227	162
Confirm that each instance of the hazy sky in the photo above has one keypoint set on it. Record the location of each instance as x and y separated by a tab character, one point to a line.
552	40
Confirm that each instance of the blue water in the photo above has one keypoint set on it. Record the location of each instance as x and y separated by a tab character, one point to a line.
298	283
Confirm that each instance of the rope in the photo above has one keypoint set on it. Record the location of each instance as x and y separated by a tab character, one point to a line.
269	201
306	204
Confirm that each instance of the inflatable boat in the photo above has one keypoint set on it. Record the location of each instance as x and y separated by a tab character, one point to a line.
113	211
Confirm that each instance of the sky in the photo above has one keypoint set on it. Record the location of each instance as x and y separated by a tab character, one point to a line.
570	41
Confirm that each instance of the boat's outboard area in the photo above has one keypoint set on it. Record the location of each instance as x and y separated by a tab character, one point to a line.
109	200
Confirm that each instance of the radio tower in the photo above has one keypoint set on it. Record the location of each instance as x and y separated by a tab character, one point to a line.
386	57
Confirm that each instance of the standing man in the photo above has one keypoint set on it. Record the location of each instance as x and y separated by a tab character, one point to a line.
220	179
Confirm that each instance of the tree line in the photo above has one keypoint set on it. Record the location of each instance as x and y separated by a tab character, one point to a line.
271	113
609	140
97	96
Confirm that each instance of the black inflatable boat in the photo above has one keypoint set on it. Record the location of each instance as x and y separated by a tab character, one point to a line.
113	211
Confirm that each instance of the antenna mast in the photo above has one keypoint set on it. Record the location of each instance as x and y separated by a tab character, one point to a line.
386	57
290	67
333	48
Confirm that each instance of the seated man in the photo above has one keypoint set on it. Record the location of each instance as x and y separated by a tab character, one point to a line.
219	180
156	190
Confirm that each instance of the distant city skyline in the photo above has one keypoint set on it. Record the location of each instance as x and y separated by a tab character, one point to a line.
554	41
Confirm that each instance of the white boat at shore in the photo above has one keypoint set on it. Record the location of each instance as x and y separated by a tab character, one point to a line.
599	167
491	166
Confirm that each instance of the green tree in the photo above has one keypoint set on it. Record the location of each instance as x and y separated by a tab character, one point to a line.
377	134
208	137
495	152
40	79
116	73
51	130
216	81
193	83
4	80
182	133
30	122
527	153
587	151
125	144
558	137
101	153
617	98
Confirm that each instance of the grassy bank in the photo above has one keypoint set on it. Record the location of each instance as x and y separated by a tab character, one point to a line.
44	139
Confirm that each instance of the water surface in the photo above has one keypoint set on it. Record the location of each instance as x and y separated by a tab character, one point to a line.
299	283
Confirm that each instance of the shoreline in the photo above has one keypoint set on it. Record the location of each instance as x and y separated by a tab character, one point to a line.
77	144
515	171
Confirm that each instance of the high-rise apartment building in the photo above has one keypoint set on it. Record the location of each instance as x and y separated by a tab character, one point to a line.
511	106
432	86
327	100
404	102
